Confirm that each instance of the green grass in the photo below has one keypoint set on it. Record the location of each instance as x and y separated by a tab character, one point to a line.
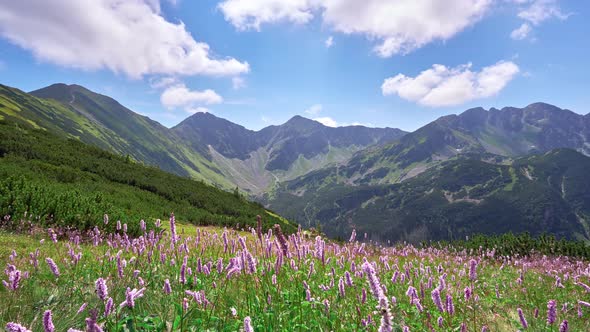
65	182
281	306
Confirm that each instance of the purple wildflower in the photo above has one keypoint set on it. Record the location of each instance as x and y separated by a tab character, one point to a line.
101	289
15	327
467	293
129	300
348	279
583	285
564	327
167	288
450	306
48	322
551	311
341	287
173	228
436	299
373	280
251	262
472	269
352	236
523	321
248	324
82	308
183	270
108	307
282	239
14	277
130	296
386	320
52	266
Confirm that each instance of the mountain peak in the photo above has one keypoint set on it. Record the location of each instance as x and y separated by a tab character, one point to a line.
300	119
302	123
209	121
542	105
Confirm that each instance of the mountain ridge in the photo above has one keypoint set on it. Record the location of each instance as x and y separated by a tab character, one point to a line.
207	153
377	179
257	160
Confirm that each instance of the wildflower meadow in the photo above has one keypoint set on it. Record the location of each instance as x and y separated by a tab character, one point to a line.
176	277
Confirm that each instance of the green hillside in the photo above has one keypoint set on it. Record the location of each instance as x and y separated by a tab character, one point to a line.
56	181
460	197
75	112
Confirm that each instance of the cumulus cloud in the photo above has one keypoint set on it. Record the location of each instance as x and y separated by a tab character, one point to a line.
179	95
129	37
521	33
327	121
314	109
444	86
251	14
398	26
329	42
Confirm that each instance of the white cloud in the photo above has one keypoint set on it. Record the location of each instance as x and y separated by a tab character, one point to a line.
329	42
521	33
398	26
180	96
238	83
193	110
129	37
327	121
250	14
314	109
537	11
368	124
162	82
330	122
443	86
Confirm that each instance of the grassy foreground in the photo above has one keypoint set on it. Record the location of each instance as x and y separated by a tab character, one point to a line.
196	279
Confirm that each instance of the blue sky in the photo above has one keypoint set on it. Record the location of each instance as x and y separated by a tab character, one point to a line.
259	62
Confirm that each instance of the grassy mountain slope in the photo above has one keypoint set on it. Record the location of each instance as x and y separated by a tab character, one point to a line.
256	160
66	182
458	197
73	111
494	135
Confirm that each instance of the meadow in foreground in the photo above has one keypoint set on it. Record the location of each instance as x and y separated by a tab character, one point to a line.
182	278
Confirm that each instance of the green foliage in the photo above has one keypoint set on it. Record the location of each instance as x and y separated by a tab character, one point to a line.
75	112
460	197
275	296
68	183
520	245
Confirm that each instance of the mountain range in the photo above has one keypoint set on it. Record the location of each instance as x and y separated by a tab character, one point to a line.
488	171
257	160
